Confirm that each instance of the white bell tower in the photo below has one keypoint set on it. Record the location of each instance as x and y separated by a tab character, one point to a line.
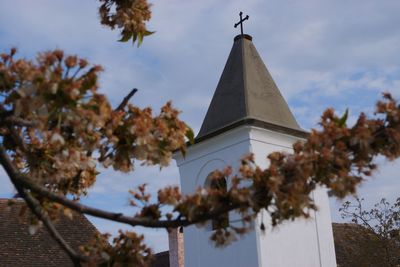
249	115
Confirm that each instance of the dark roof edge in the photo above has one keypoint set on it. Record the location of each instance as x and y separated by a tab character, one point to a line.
245	36
161	253
256	123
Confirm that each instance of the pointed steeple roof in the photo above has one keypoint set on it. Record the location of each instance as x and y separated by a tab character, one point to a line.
247	94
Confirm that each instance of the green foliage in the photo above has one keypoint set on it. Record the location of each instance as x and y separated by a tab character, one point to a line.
341	122
130	16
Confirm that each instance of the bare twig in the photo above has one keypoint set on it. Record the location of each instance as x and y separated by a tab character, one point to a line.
126	100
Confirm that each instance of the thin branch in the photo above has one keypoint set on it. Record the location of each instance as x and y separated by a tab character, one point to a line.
76	73
119	217
36	208
126	100
15	121
19	179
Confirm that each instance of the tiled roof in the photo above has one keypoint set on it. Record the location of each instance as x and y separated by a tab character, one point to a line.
161	259
358	246
19	248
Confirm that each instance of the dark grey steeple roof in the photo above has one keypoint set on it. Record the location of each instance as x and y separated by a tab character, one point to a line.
247	94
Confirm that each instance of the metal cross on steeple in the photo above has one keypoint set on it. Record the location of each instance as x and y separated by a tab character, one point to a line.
241	22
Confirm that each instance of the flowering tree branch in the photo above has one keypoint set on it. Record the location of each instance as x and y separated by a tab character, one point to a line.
62	129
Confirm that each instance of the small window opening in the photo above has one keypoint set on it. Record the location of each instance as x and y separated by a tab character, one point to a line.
219	184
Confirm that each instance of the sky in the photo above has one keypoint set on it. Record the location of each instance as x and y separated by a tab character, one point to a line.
340	54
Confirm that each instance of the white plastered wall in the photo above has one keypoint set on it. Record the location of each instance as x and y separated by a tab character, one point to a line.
303	243
215	153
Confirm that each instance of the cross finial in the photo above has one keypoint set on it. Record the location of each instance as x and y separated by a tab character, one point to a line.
241	22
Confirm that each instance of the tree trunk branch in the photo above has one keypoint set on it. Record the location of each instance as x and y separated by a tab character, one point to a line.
36	208
118	217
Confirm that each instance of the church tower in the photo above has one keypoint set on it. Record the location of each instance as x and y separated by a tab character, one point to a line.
248	114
